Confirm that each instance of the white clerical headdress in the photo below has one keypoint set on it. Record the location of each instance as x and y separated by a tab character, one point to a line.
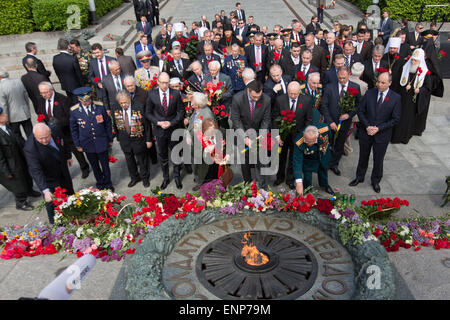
393	43
419	55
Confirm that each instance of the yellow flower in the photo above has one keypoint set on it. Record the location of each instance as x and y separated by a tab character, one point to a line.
78	203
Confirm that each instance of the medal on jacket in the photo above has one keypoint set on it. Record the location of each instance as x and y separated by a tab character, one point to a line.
99	118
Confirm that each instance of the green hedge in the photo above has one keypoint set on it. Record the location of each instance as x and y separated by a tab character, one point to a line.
50	15
15	17
363	4
411	9
102	7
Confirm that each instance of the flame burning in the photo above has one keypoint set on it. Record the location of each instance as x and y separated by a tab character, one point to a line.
251	254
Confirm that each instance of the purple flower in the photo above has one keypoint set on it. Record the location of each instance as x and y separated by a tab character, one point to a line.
82	245
366	234
391	226
348	213
115	256
208	190
116	244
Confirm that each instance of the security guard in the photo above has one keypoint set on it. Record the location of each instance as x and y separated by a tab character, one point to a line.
312	154
91	131
146	77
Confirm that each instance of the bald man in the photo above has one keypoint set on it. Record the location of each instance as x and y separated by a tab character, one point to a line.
277	55
301	105
49	159
165	110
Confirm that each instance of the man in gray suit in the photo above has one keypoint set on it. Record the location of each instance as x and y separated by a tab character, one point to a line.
250	109
112	85
14	100
127	64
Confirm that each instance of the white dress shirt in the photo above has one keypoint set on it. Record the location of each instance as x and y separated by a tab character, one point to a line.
295	60
52	103
161	96
128	111
104	65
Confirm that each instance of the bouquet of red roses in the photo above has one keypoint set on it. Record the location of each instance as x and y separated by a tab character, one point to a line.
286	124
347	102
383	207
300	77
191	47
220	112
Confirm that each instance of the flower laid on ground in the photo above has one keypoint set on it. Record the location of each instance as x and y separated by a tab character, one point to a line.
112	159
102	224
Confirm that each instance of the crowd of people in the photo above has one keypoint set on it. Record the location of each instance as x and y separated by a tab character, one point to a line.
239	76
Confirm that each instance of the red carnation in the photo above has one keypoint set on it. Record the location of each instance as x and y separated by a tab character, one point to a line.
40	118
258	105
381	70
96	79
56	103
352	91
386	99
444	54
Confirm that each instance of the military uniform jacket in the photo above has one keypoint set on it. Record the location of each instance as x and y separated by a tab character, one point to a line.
91	132
233	68
142	78
140	133
316	99
309	158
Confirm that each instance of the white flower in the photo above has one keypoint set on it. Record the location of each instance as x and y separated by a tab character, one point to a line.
409	241
336	214
366	225
97	242
89	231
405	231
79	232
344	220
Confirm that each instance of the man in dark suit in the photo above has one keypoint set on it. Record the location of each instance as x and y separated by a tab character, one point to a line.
379	111
207	39
98	68
14	175
139	96
370	73
68	70
135	137
363	48
292	63
331	75
31	49
204	23
251	112
127	64
49	159
319	59
144	45
350	56
256	55
178	67
313	26
277	83
331	48
241	31
334	116
31	81
297	33
414	38
162	39
239	13
136	93
306	66
166	112
112	84
277	55
386	27
196	80
56	109
302	107
91	130
145	27
207	56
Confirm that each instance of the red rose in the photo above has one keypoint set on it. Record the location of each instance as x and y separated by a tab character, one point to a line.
428	72
258	105
40	118
79	254
328	56
381	70
56	103
222	114
386	99
444	54
96	79
299	106
352	91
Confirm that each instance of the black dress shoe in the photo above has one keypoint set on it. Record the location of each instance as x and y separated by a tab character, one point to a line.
355	182
165	183
146	183
376	187
336	171
329	190
85	174
24	206
133	183
178	183
278	182
34	194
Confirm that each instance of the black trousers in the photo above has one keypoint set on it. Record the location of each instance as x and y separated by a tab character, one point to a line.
338	146
26	125
286	157
164	143
366	145
100	166
135	160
